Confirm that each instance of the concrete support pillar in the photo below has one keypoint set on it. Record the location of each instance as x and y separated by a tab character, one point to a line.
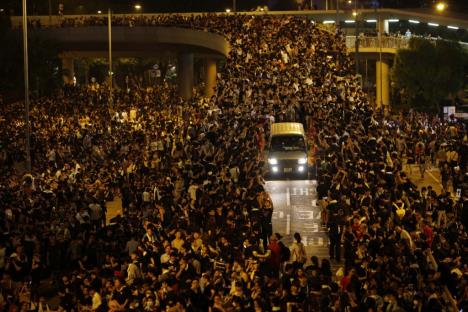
185	75
210	77
382	83
382	26
68	70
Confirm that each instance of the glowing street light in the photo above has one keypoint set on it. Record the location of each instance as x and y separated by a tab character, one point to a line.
137	7
355	13
441	6
228	10
99	12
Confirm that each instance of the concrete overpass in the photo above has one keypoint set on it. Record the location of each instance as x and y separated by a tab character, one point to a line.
450	20
185	44
382	51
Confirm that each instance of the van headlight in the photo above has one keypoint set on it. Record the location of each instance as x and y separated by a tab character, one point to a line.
273	161
302	161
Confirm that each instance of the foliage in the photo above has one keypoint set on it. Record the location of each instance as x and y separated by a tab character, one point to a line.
44	74
428	72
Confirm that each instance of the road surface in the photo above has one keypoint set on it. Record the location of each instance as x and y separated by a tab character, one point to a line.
295	209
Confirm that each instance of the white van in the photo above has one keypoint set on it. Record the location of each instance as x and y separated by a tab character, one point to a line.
287	156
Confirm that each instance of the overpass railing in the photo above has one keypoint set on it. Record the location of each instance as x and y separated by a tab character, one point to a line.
386	42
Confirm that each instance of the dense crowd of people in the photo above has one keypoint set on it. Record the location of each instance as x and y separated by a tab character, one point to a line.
196	233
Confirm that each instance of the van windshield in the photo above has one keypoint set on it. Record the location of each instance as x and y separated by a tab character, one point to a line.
286	143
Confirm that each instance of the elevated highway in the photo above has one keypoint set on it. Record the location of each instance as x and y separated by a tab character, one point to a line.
148	40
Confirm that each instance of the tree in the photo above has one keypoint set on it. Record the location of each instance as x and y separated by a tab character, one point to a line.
429	72
44	76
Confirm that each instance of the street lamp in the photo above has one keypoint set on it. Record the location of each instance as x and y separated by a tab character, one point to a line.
26	87
441	6
99	12
137	7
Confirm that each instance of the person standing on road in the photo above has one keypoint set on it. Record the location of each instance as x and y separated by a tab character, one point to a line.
298	252
333	228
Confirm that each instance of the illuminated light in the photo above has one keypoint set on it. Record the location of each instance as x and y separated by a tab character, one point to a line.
137	6
273	161
350	1
452	27
228	10
99	12
371	21
300	168
302	161
354	13
274	169
441	6
329	22
1	10
413	21
393	20
433	24
349	21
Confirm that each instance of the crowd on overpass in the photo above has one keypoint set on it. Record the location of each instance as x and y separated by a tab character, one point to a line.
196	233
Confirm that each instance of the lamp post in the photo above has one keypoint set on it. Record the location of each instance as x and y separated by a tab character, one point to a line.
109	38
50	13
26	87
337	13
356	42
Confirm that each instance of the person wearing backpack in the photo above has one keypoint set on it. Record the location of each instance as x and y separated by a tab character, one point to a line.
298	252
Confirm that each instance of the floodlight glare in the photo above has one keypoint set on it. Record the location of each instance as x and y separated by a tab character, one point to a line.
441	6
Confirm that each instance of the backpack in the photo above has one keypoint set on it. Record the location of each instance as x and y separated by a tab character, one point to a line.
284	252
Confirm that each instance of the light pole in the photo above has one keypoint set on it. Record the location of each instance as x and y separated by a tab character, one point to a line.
50	13
356	41
337	13
109	38
26	87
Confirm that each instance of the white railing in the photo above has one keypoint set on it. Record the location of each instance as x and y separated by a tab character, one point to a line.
386	42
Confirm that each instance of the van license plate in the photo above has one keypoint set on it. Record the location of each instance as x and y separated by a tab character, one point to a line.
287	169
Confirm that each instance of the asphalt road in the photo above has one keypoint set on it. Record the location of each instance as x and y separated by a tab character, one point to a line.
295	209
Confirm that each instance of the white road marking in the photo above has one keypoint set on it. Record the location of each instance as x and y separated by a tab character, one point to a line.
435	179
314	202
304	240
320	241
315	228
288	199
288	224
304	191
